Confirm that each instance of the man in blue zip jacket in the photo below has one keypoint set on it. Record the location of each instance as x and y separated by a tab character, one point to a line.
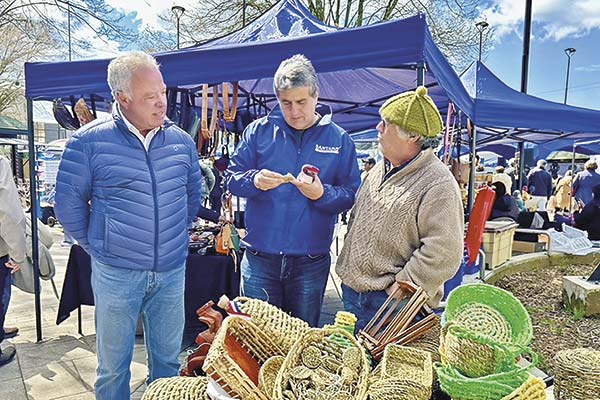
290	221
127	188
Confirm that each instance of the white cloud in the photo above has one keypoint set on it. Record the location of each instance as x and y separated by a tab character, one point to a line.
556	19
148	10
589	68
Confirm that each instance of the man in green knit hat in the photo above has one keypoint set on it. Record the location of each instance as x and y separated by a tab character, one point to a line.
407	222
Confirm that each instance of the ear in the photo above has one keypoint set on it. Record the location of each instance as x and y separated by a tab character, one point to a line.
123	100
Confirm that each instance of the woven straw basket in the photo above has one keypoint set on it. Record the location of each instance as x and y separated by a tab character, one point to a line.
474	355
236	355
268	374
401	362
177	388
490	387
281	327
577	374
398	389
491	312
319	368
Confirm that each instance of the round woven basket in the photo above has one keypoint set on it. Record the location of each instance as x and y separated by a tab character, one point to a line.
319	368
473	355
491	312
268	374
489	387
577	374
177	388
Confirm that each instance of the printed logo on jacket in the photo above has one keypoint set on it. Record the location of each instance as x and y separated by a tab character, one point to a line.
327	149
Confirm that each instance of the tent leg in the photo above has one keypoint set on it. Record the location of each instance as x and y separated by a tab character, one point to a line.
34	219
572	178
473	150
420	74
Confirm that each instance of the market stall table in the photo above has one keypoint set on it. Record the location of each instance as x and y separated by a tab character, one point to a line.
207	277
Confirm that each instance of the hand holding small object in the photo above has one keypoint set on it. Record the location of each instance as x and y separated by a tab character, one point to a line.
267	180
313	191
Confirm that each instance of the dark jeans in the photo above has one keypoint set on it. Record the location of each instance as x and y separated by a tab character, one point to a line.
4	280
296	284
362	305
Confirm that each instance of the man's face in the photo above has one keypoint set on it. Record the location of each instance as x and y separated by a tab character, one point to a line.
146	105
298	107
393	145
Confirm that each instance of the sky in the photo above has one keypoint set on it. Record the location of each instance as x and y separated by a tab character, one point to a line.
557	25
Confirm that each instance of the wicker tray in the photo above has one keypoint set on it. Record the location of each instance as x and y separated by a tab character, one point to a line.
236	355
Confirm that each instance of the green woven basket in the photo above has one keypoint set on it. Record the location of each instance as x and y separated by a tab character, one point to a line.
490	387
491	312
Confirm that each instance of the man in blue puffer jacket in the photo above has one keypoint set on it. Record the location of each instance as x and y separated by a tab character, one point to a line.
127	189
290	225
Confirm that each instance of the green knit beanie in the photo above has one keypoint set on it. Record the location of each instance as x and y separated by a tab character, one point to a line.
414	112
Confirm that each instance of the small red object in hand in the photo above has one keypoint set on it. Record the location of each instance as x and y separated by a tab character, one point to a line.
310	170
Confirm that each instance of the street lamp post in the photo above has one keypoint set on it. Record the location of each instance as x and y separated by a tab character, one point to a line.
481	26
569	52
178	12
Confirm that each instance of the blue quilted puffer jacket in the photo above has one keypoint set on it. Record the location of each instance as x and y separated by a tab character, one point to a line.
127	207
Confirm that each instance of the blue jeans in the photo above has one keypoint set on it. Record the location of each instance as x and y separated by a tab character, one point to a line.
7	291
120	295
296	284
5	279
363	305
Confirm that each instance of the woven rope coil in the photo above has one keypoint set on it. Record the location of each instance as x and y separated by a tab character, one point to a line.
281	327
268	374
491	312
489	387
177	388
236	355
533	389
577	374
474	355
398	389
400	362
342	374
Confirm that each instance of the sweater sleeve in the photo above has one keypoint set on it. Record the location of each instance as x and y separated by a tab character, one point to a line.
12	217
438	258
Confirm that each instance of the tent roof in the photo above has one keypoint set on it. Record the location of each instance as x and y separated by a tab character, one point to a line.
496	106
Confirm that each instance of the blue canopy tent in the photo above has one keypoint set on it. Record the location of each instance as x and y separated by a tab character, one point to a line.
357	68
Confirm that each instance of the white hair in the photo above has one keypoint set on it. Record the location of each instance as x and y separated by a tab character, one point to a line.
296	71
121	68
422	141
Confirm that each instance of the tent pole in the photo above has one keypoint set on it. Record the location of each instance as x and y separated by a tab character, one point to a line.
420	73
521	164
572	178
473	150
34	219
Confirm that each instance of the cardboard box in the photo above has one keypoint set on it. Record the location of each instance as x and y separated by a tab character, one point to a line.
498	242
528	247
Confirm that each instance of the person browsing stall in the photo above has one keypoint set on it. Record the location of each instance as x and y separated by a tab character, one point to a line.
407	223
290	225
127	188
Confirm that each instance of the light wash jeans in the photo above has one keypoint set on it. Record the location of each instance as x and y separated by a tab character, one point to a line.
296	284
120	295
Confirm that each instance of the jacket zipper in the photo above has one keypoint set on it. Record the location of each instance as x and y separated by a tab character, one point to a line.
155	200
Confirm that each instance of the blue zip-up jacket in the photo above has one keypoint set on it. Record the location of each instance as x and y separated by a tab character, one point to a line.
126	207
283	220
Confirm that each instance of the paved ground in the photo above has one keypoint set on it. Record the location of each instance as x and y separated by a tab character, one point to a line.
62	365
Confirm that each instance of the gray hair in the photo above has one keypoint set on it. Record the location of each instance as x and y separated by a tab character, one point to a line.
296	71
590	165
121	68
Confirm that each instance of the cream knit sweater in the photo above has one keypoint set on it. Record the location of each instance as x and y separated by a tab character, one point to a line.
410	228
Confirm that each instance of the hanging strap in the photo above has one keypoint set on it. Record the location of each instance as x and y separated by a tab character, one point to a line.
208	131
229	113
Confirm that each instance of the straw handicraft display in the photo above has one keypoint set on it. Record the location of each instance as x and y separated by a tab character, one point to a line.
177	388
577	374
490	312
236	355
319	368
281	327
268	374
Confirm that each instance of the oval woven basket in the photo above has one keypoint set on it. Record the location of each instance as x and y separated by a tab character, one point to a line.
473	355
268	374
177	388
488	311
577	374
489	387
319	368
532	389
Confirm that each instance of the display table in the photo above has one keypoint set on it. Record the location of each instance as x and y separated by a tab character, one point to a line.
207	277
